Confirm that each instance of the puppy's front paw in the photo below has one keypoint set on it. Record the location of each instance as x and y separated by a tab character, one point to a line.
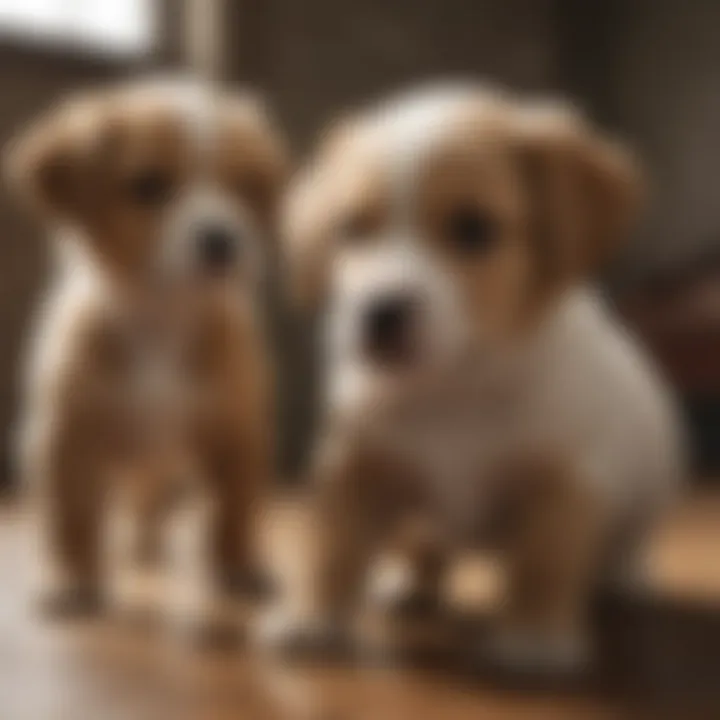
71	600
538	653
295	634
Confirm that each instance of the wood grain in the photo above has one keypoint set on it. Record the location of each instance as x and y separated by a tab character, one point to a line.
662	650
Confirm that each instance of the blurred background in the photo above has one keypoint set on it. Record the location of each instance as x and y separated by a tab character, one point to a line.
647	69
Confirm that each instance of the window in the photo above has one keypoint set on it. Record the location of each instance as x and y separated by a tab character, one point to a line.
116	27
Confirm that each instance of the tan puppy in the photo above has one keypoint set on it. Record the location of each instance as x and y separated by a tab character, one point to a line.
469	365
149	357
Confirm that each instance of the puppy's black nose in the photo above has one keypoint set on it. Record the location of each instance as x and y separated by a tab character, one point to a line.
217	247
388	327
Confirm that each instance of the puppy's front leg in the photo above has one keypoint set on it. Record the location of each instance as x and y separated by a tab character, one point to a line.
75	487
351	510
553	554
239	471
346	524
151	498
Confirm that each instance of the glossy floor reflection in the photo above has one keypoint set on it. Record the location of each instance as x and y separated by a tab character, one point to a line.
123	667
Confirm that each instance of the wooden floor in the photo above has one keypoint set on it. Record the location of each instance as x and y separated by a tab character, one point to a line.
122	667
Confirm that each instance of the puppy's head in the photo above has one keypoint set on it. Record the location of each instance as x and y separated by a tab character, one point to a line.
162	178
452	218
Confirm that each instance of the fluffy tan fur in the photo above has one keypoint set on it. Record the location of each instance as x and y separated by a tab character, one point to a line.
560	196
86	418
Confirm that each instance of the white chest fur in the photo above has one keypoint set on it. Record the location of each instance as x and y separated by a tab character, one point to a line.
585	394
158	390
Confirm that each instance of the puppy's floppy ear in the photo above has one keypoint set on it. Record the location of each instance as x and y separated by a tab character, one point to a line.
305	242
308	219
267	154
49	164
584	190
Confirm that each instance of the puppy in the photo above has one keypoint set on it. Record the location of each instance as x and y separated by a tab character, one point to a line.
472	373
149	359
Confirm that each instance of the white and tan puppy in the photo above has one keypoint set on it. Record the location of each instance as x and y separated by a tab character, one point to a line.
149	356
470	367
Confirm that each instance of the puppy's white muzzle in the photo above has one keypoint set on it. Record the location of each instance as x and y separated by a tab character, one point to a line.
393	307
207	236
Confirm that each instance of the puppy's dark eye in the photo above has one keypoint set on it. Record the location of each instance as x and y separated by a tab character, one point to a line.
470	230
150	188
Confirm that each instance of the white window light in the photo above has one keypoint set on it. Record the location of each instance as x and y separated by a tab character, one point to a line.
116	27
